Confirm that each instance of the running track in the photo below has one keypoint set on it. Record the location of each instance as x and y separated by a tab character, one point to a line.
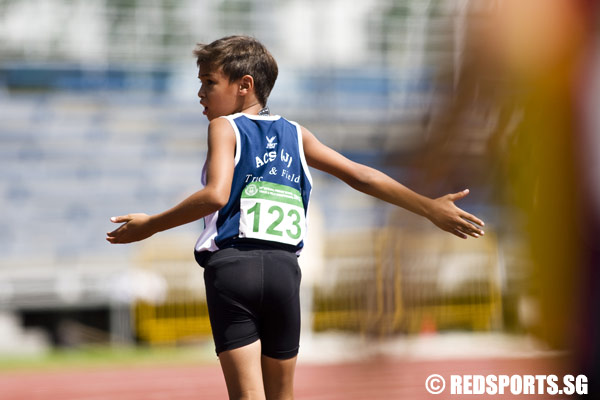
369	380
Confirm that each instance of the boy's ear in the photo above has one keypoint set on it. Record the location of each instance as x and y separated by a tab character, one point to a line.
246	84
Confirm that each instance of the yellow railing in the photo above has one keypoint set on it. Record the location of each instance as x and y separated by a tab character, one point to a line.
419	281
170	323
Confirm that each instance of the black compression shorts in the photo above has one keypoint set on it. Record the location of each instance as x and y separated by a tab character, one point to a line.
254	295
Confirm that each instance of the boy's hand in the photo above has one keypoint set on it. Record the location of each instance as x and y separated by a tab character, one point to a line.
452	219
136	227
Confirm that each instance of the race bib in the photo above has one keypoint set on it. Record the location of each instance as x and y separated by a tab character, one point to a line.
270	211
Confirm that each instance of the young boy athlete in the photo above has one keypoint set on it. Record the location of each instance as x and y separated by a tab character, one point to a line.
255	199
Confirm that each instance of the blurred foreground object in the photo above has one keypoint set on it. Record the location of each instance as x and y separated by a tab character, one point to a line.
527	65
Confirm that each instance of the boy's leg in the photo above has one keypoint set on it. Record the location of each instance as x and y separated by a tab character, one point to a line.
278	377
243	373
280	323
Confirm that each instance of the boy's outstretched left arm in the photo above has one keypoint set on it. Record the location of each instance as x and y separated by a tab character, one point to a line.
441	211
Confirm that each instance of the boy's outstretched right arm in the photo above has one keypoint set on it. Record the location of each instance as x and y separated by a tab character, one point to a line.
219	174
441	211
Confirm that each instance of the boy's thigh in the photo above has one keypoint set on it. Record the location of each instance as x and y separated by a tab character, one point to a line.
280	317
278	377
232	280
243	371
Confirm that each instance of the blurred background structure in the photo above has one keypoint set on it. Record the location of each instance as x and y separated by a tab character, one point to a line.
99	117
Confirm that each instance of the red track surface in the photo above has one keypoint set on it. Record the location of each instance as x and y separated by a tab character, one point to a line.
369	380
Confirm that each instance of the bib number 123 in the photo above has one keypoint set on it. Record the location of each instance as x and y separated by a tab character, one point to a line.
274	212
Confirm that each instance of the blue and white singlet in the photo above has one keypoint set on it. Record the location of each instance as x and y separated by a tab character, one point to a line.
270	191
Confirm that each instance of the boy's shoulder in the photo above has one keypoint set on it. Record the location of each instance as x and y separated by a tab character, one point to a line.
219	123
237	117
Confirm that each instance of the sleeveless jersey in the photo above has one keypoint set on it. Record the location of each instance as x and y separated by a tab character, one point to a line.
270	190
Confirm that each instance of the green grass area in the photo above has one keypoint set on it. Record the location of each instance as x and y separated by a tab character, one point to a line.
111	356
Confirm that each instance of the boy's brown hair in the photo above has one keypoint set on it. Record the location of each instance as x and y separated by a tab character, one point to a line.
239	56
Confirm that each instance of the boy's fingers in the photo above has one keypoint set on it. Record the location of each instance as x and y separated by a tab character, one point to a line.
114	238
111	237
459	234
465	233
459	195
123	218
472	218
470	229
114	234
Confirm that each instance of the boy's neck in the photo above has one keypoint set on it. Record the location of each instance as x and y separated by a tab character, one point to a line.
253	109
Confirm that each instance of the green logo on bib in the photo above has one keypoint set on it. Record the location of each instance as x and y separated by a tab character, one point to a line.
251	190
